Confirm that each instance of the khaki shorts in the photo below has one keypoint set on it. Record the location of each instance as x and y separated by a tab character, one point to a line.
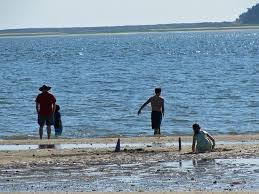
43	119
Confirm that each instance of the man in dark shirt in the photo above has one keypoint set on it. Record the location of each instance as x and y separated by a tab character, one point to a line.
45	106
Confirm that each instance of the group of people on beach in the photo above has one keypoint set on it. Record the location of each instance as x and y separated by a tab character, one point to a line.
202	140
48	113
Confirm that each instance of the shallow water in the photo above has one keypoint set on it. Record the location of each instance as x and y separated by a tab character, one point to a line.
101	81
204	174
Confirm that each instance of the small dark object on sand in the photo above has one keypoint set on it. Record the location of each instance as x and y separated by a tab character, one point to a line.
46	146
118	146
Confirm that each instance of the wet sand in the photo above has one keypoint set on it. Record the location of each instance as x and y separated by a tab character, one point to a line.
193	192
152	165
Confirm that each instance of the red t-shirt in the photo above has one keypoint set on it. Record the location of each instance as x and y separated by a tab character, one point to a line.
46	100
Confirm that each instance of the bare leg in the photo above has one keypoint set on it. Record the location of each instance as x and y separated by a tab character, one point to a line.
41	131
49	131
157	131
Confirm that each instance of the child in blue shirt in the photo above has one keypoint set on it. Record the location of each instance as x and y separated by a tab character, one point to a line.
57	122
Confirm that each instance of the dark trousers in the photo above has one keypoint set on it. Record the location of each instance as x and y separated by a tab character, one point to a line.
156	119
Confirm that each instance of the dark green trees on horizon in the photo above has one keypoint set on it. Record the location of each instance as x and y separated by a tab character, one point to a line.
250	17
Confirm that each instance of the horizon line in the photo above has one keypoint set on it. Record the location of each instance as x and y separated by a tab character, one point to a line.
112	26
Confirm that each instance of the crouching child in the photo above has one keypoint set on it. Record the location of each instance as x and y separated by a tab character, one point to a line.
202	141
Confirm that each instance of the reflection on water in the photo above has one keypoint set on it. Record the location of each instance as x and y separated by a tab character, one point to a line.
203	162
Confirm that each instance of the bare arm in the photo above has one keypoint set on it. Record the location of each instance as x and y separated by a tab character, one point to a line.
212	139
37	107
54	107
148	101
163	108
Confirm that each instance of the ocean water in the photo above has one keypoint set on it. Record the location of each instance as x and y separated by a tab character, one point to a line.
100	81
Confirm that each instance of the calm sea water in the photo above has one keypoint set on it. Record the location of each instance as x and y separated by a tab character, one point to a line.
100	82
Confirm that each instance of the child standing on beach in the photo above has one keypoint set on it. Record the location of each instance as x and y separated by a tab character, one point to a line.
202	141
57	122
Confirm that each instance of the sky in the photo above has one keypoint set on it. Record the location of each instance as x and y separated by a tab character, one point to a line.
88	13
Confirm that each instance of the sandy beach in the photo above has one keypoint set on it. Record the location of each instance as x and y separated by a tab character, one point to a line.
193	192
227	146
133	169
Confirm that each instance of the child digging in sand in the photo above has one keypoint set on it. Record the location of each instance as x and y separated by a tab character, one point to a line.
202	141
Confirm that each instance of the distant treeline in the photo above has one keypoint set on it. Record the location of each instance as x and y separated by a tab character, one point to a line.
120	29
250	17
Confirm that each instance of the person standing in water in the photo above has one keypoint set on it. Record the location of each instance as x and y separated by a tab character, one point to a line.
157	104
202	141
45	106
58	122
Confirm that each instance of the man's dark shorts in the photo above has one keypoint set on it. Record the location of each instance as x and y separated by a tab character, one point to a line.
156	118
48	120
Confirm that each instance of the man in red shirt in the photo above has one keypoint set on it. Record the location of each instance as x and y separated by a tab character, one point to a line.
45	106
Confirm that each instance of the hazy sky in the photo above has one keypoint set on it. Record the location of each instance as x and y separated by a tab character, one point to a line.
85	13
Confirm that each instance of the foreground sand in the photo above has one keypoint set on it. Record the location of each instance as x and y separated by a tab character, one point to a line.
192	192
227	147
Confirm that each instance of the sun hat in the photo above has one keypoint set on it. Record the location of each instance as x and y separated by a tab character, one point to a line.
44	87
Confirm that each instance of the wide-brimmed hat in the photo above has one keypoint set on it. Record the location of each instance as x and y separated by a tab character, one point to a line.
44	87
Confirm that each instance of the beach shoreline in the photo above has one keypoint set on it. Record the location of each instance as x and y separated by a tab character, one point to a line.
143	139
89	164
227	146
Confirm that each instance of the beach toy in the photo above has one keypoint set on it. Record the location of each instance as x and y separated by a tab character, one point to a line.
118	146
